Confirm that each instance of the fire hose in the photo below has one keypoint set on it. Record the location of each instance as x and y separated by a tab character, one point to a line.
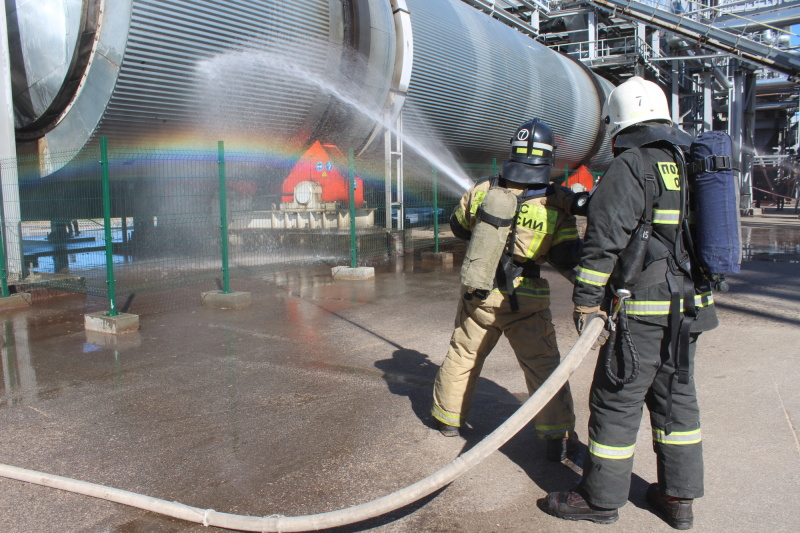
350	515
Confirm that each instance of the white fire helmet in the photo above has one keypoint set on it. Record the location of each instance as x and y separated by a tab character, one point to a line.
637	100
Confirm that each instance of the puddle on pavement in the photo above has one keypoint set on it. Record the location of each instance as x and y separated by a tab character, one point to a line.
775	244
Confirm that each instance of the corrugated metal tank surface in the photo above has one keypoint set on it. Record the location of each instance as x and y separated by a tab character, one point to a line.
161	87
185	73
475	80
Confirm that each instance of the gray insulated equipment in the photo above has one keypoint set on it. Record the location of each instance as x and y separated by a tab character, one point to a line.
279	74
489	237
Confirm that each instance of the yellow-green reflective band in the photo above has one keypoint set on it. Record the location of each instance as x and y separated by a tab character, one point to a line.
565	234
440	415
592	277
522	150
533	293
661	307
541	221
647	308
679	438
559	427
461	218
524	287
666	216
553	431
610	452
704	300
477	200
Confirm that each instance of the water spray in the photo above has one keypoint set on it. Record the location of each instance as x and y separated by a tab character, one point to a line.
220	68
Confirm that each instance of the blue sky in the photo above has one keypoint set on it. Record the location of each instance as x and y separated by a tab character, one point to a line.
796	30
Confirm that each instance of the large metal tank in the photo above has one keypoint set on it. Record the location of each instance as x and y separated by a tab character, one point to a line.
185	73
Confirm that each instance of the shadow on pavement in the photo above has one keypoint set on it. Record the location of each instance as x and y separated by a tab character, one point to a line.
411	373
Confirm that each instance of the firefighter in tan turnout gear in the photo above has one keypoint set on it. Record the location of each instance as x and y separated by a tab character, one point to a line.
637	240
513	226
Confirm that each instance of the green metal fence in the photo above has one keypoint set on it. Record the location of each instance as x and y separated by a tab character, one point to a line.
112	223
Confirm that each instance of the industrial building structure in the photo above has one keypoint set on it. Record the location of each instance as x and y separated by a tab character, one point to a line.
728	64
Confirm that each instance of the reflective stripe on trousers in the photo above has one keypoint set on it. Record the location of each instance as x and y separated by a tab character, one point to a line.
611	452
679	438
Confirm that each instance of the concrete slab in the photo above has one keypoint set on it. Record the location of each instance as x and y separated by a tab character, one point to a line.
442	258
319	399
15	301
114	342
221	300
352	274
100	322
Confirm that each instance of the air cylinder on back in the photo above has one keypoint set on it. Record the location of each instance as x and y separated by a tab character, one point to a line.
489	238
714	199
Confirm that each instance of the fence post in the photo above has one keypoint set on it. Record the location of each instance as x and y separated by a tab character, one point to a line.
566	175
112	296
435	210
223	218
352	187
3	267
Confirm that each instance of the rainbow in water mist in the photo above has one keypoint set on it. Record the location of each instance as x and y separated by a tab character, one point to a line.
247	156
217	77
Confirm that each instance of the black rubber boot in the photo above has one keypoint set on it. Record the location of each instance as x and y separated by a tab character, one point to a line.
572	506
558	450
675	512
447	430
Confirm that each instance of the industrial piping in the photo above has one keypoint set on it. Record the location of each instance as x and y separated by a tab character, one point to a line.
350	515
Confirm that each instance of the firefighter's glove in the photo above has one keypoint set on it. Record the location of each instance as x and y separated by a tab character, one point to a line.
583	315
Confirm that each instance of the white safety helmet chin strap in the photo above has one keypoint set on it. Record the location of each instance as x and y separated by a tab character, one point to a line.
637	100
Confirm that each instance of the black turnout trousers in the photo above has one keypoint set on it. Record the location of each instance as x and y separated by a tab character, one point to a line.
616	413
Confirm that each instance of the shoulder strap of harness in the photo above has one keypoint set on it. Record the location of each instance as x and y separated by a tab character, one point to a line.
682	310
649	194
507	260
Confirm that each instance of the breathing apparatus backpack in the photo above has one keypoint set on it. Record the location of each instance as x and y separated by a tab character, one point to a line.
713	196
709	245
705	249
489	259
494	216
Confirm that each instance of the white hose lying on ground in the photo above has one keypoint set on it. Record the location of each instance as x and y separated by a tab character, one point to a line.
350	515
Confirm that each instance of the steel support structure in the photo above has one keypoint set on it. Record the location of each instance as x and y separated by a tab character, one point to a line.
741	128
9	181
735	44
393	172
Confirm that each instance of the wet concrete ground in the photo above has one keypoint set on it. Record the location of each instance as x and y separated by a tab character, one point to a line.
317	398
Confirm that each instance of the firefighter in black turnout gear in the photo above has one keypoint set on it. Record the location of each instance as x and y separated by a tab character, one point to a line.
514	222
637	239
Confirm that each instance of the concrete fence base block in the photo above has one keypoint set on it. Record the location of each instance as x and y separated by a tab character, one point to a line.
114	342
443	258
347	273
15	301
115	325
221	300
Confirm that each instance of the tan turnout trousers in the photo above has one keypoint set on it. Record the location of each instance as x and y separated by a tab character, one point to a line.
530	332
